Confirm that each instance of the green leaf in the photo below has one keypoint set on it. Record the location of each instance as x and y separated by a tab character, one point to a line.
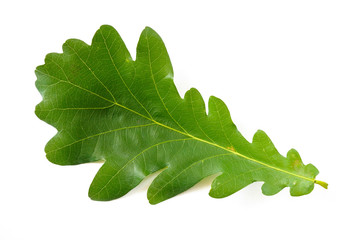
106	106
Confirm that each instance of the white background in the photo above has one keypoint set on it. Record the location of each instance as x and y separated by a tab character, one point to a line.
290	68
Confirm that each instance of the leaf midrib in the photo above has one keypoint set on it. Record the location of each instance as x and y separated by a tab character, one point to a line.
186	134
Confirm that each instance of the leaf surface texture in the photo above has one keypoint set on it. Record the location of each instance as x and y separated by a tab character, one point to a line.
106	106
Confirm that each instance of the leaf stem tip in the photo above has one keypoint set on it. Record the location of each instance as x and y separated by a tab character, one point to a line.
323	184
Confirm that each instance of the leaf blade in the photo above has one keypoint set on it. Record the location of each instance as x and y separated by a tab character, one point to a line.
125	112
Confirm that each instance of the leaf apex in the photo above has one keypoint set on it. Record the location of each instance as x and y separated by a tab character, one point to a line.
259	131
106	26
153	202
148	28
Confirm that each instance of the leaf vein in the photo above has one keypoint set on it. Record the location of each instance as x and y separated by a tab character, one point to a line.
135	157
99	134
120	76
185	169
91	71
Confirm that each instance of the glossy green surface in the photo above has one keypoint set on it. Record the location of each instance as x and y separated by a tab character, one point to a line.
106	106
